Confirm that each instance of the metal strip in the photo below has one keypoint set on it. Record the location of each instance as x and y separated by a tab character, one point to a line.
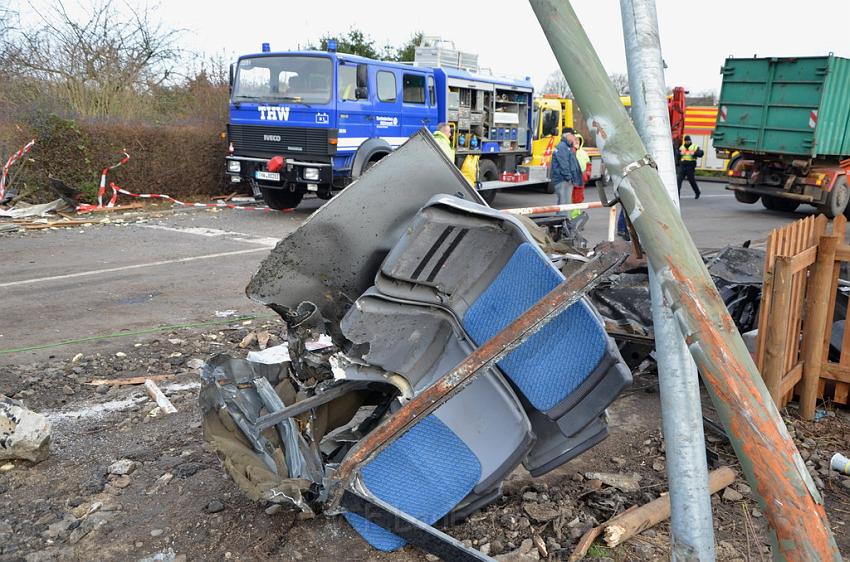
410	529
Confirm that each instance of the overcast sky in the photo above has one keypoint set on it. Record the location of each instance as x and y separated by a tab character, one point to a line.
696	36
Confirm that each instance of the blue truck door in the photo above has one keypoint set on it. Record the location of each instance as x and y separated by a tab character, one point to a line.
414	113
387	106
356	113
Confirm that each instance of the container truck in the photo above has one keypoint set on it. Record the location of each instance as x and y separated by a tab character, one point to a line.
785	124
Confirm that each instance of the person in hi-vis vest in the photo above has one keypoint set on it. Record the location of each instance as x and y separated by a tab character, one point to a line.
688	154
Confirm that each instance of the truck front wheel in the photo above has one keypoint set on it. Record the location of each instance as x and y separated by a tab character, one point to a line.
279	199
779	204
836	199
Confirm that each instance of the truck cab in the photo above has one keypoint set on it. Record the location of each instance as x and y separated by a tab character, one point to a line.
312	121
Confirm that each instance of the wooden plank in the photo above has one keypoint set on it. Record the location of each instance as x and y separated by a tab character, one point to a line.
791	378
842	252
766	298
842	393
817	230
161	399
799	231
129	381
792	346
842	389
126	207
817	300
56	224
777	329
804	259
835	372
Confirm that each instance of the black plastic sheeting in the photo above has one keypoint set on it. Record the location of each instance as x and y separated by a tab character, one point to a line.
623	300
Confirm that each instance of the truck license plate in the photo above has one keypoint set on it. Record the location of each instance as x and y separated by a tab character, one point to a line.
268	176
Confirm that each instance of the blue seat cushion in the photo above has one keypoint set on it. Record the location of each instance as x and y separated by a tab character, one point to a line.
553	362
425	473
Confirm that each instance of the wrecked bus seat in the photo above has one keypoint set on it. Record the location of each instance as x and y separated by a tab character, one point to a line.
423	343
483	268
422	330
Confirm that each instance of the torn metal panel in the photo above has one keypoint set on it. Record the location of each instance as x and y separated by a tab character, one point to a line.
332	258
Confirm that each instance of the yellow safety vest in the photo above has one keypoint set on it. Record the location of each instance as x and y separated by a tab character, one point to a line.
687	152
446	144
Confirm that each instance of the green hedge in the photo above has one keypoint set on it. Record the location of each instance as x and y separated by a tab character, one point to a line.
181	160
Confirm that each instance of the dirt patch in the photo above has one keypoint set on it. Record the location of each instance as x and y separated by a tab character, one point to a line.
177	502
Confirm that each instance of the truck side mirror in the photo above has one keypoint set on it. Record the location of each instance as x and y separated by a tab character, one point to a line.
230	79
361	93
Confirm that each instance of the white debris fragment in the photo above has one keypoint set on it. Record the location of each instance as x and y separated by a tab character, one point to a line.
123	466
270	355
195	363
24	434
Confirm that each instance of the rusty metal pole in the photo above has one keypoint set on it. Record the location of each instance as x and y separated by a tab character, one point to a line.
678	382
799	528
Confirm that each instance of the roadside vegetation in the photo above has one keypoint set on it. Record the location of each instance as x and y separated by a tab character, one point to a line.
115	77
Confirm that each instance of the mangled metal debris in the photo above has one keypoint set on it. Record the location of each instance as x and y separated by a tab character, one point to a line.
457	352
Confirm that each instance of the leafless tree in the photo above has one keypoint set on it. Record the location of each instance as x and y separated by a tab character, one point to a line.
557	84
621	83
94	62
704	97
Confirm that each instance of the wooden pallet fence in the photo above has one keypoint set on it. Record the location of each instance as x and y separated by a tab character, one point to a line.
802	265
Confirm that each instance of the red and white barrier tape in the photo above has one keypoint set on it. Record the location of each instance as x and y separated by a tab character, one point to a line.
101	190
12	159
553	208
116	190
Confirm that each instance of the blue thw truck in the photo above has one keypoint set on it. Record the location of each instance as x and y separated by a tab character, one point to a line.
314	121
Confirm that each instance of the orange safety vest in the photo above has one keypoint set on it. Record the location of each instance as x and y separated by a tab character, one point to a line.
687	152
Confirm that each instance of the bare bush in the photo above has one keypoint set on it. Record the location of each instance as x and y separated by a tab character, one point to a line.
96	64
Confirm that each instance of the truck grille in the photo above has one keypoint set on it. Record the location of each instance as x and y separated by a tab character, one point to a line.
259	140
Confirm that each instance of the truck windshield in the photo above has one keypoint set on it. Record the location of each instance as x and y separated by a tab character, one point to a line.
295	79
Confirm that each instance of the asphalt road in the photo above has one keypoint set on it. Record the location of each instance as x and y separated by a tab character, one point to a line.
183	268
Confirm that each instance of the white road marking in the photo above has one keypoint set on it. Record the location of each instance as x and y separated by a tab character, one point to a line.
707	196
131	267
215	232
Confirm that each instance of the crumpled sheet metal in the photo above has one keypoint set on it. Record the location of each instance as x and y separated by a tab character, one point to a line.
332	258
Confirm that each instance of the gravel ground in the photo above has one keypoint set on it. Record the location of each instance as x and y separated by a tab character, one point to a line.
175	502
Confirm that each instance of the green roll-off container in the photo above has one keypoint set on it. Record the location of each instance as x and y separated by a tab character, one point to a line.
790	106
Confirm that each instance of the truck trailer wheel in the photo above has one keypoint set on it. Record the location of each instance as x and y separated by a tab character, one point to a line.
779	204
279	199
487	171
836	199
749	198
